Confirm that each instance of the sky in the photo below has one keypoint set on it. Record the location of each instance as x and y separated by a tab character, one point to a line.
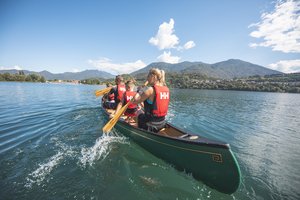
122	36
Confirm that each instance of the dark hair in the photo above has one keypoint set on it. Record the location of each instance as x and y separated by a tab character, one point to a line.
119	78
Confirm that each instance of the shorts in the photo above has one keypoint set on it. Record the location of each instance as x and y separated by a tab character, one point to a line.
151	124
110	105
130	112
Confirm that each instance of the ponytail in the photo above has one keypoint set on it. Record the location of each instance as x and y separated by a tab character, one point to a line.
160	75
162	78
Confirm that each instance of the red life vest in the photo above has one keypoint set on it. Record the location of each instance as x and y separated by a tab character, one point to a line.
161	101
127	97
120	91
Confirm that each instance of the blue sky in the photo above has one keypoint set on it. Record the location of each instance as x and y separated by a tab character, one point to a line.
120	36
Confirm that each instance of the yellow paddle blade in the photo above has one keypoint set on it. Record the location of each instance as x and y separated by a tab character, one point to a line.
102	92
111	123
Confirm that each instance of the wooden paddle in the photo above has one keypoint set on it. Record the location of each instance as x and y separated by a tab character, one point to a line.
102	92
112	122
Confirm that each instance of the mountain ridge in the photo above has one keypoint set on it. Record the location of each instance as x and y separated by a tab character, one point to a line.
232	68
86	74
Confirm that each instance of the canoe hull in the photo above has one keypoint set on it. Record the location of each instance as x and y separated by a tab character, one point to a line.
213	164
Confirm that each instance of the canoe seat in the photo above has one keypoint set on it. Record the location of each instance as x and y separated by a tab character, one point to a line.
193	137
184	136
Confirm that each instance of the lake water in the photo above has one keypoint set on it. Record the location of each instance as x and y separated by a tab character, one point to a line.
51	145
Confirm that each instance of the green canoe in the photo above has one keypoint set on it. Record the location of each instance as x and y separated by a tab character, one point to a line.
209	161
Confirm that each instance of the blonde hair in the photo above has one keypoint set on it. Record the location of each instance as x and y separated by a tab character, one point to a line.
160	75
130	84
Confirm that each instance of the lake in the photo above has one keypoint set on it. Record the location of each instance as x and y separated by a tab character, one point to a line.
52	147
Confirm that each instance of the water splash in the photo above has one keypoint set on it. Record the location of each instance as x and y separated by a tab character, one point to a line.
100	150
38	176
77	117
68	151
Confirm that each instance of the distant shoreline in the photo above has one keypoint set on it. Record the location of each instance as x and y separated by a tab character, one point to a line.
283	83
262	87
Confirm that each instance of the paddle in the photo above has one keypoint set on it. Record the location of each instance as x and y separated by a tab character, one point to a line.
102	92
111	123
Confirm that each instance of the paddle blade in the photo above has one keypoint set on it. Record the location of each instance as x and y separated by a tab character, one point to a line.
102	92
111	123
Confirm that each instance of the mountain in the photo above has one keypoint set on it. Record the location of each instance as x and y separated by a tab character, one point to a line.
178	67
14	71
229	69
77	75
65	76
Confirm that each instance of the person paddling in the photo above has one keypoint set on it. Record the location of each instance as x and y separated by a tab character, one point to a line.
109	98
156	101
132	108
118	92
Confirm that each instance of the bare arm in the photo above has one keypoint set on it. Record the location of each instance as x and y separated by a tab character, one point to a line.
147	94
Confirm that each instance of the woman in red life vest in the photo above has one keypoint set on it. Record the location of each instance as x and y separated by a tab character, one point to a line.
118	92
128	95
156	101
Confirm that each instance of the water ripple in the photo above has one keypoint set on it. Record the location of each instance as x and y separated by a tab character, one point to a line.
50	137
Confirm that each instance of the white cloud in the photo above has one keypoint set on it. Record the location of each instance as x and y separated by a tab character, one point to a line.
189	45
286	66
16	67
165	37
75	70
279	29
105	64
168	58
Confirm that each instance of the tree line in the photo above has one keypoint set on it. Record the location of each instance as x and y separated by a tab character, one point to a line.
271	83
22	77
